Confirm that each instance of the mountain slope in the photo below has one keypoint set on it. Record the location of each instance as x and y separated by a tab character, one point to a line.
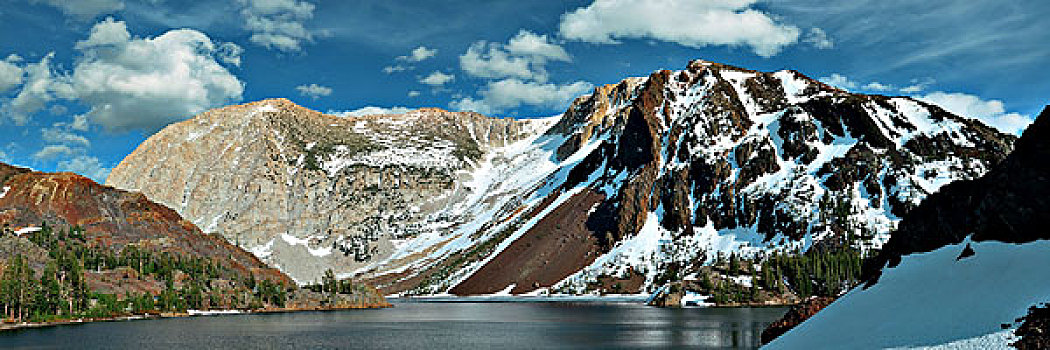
113	219
964	263
667	170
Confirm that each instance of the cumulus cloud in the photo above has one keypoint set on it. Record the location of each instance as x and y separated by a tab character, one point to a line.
539	47
516	75
488	60
511	93
59	136
839	80
437	78
87	166
146	83
413	93
131	83
418	54
991	112
84	9
688	23
818	38
371	110
278	24
314	91
42	85
53	151
11	74
523	57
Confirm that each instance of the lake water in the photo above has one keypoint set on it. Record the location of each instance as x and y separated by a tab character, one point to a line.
426	325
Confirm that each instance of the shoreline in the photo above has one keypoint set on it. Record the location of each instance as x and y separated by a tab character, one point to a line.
6	327
639	299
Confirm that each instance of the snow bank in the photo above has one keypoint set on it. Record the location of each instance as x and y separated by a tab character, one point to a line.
932	300
26	230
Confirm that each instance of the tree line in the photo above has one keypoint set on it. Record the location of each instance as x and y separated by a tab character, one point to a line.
59	290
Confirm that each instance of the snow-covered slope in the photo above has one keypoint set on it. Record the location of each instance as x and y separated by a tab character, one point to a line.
674	167
933	299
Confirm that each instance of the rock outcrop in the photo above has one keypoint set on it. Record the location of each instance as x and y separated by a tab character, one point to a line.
796	315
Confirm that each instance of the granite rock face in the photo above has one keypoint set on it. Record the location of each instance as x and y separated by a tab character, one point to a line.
669	169
307	191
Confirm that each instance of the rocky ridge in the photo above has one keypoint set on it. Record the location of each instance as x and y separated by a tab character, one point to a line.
113	219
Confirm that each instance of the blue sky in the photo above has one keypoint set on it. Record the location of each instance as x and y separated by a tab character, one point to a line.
82	83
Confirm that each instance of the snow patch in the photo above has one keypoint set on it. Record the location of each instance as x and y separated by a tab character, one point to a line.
26	230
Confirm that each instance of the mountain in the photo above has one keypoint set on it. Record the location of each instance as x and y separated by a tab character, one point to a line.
962	269
113	219
639	183
72	249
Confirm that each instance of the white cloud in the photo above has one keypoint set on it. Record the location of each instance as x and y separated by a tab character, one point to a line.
84	9
278	24
314	91
53	151
917	85
689	23
59	136
42	85
230	53
146	83
844	82
396	68
527	43
371	110
105	33
437	78
523	57
877	86
418	54
413	93
80	123
818	38
839	81
133	83
991	112
516	75
489	60
11	75
505	94
85	165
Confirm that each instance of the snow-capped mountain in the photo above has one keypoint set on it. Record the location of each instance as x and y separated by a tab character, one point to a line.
960	272
667	169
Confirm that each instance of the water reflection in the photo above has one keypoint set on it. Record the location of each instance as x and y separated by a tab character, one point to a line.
414	325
